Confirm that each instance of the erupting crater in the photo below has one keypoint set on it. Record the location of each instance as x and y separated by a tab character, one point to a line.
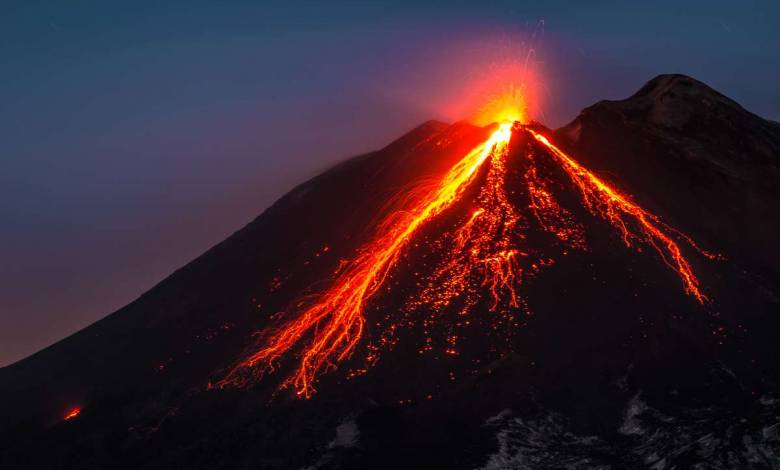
485	254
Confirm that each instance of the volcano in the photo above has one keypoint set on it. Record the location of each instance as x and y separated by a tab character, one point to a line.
604	295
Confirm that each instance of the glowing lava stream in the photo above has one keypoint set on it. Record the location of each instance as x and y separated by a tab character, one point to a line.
72	413
335	320
337	317
616	208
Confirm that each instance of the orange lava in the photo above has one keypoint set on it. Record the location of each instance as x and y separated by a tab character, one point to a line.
482	258
335	321
72	413
483	247
634	223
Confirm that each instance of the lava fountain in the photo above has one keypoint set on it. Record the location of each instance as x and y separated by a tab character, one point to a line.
327	330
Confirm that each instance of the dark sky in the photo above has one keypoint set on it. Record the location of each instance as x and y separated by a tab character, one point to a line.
134	136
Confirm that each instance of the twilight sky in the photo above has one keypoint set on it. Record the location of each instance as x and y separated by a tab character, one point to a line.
136	135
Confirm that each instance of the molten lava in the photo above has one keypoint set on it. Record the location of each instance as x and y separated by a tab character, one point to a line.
484	256
634	223
336	319
72	413
508	105
482	251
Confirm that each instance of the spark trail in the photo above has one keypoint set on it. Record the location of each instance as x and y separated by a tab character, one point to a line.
483	258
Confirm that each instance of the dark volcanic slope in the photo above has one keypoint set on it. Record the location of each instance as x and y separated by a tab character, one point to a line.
709	165
608	365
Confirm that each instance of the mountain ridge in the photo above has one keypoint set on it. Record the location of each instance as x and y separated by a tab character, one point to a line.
605	342
739	158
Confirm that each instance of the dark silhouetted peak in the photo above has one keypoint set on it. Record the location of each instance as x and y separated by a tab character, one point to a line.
673	100
682	145
678	107
683	88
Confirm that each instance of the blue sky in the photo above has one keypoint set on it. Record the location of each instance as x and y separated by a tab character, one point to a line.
136	135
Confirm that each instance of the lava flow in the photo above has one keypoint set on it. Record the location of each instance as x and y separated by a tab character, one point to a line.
622	213
484	255
72	413
336	319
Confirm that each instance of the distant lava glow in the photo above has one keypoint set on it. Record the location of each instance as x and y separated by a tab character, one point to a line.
484	256
72	413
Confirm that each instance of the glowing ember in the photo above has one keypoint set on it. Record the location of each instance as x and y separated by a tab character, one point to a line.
482	258
72	413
